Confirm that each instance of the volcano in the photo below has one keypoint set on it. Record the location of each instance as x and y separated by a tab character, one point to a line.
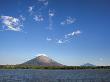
87	64
42	60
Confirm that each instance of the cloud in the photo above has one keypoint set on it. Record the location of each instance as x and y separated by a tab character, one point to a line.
51	13
30	9
77	32
11	23
68	37
48	39
37	10
68	20
22	18
42	0
45	2
73	34
41	55
60	41
38	18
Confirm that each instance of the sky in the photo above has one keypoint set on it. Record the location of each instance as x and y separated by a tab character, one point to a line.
72	32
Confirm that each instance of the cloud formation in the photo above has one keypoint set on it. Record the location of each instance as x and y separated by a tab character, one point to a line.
60	42
45	2
68	37
30	9
22	18
38	18
37	14
48	39
73	34
41	55
11	23
36	10
68	20
51	14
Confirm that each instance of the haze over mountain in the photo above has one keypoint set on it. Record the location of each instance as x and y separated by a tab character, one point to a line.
42	60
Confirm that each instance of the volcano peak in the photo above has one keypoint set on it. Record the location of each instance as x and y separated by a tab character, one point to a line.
42	60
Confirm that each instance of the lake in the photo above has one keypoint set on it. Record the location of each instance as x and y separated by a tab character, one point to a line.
33	75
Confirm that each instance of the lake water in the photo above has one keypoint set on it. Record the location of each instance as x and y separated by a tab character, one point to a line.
32	75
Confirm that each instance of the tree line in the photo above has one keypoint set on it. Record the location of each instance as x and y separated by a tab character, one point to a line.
51	67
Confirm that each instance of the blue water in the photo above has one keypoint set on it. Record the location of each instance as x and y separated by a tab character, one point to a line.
32	75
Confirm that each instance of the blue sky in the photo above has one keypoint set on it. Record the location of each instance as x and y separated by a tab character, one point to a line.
72	32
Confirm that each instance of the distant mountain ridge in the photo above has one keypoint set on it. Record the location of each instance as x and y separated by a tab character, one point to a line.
42	60
87	64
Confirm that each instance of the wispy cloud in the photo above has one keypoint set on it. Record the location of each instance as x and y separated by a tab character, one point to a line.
48	39
36	10
38	18
30	9
42	0
51	13
11	23
68	20
22	18
60	41
68	37
45	2
74	33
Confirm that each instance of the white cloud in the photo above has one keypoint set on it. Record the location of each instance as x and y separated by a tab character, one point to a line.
77	32
30	9
60	42
22	18
42	0
48	39
36	11
11	23
63	40
51	14
68	37
38	18
73	34
68	20
41	55
45	2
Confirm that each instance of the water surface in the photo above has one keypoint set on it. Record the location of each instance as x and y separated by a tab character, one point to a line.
32	75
